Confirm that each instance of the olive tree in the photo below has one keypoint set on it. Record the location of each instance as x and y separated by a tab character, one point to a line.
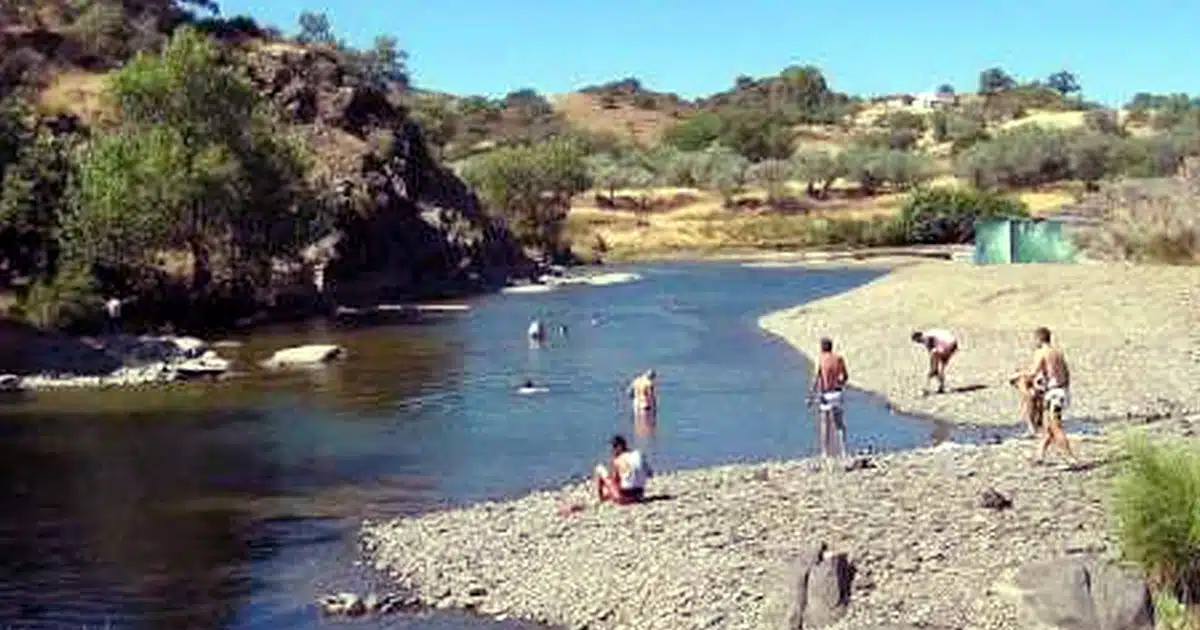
773	176
819	169
531	187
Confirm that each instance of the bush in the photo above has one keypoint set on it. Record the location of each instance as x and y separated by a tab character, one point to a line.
1143	225
1156	502
67	300
948	215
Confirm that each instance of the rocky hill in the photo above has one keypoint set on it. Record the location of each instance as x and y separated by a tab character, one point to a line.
416	229
407	226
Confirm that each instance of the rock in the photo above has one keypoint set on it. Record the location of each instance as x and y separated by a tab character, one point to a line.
993	500
9	382
343	604
816	592
860	463
1082	594
304	356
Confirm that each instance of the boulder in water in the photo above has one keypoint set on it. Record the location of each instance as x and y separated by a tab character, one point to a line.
316	354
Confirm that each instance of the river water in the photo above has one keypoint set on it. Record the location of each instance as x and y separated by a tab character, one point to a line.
234	504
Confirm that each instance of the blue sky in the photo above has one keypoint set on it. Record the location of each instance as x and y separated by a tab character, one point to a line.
697	47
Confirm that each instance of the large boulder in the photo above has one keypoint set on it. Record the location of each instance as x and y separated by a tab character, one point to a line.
815	592
1081	594
410	228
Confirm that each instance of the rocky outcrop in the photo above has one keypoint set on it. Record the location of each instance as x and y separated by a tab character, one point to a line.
410	227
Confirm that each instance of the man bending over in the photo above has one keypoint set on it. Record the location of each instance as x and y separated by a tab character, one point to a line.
624	481
941	344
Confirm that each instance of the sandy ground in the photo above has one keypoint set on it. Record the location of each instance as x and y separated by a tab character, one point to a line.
1131	335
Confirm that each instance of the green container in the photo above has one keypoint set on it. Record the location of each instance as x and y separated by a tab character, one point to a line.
1006	241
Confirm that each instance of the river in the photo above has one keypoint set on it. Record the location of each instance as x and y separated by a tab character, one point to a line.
234	504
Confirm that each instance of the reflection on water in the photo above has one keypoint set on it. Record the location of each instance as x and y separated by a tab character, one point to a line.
232	504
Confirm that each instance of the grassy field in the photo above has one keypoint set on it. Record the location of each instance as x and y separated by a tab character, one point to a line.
705	226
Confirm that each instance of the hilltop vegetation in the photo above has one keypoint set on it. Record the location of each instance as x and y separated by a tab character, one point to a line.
151	148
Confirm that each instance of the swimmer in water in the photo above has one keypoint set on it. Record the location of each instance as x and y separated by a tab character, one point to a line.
528	387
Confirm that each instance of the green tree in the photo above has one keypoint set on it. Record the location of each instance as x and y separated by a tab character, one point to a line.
805	87
773	176
948	214
385	63
722	169
33	194
819	169
696	133
757	135
995	80
1092	157
1064	82
531	187
315	28
196	165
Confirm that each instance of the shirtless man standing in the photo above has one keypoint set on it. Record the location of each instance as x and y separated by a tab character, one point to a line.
828	382
645	403
1052	381
941	344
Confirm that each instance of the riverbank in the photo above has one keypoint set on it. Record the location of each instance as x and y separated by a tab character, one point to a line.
1113	322
712	554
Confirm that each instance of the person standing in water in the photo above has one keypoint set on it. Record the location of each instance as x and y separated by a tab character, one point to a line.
827	386
645	404
536	331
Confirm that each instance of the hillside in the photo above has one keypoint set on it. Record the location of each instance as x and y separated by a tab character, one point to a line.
392	223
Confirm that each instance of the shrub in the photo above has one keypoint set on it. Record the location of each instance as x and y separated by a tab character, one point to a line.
773	176
1160	225
948	215
69	298
1156	502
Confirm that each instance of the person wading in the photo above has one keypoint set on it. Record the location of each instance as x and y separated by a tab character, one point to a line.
828	384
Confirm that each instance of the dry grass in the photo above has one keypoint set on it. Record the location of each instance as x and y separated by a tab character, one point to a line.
644	126
706	226
78	93
1048	119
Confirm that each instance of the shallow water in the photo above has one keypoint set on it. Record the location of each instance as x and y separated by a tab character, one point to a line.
234	504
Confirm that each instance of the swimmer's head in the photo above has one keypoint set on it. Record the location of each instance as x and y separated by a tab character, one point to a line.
826	344
527	384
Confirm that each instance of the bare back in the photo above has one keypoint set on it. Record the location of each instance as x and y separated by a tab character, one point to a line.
1050	363
831	372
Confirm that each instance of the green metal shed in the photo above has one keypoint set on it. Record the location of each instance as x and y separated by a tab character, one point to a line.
1006	241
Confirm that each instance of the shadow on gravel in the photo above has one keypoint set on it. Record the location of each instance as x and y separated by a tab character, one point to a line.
967	388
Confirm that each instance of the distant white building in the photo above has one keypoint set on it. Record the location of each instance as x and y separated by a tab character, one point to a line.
931	100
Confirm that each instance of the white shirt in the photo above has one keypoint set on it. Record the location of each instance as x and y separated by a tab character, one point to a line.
536	330
632	470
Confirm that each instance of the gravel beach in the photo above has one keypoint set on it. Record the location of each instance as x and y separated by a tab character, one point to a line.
1131	336
713	552
711	555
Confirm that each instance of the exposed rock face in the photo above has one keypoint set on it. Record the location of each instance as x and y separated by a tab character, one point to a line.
413	228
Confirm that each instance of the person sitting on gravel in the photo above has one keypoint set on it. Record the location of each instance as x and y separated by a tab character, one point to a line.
941	344
624	481
828	382
1052	381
